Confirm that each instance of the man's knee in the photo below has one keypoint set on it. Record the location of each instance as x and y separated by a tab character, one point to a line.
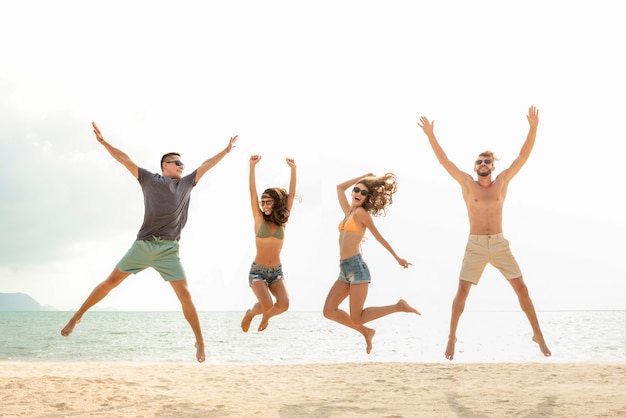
519	286
181	290
115	278
464	289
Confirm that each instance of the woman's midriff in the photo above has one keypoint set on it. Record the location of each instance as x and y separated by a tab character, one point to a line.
268	251
349	244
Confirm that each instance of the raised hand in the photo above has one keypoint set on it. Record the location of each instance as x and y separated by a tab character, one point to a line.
96	131
231	143
533	116
427	126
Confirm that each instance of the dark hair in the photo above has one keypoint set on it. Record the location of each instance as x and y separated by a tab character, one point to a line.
169	154
280	213
381	189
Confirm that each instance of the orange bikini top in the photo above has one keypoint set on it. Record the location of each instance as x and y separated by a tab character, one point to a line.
348	225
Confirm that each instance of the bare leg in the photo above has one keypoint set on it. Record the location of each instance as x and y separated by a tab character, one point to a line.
247	319
279	291
337	294
264	303
359	316
529	309
191	315
358	293
97	294
458	305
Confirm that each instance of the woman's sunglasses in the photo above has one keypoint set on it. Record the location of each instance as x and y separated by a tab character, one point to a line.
363	192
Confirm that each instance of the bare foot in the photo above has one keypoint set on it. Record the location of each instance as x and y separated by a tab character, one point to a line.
264	323
245	322
369	336
200	352
450	348
405	307
67	329
542	346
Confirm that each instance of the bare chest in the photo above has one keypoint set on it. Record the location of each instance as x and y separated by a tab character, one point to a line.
485	195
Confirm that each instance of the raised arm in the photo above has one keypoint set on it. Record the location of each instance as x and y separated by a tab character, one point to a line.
429	129
212	162
254	196
292	183
516	165
118	154
341	191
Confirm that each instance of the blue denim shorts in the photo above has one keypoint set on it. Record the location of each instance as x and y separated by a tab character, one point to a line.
265	274
354	270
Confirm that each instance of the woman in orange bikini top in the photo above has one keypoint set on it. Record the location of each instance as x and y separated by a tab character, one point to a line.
348	224
270	213
370	196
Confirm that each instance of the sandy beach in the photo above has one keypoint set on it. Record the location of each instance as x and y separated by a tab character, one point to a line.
92	389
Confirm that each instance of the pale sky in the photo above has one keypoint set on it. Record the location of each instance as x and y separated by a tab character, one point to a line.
339	86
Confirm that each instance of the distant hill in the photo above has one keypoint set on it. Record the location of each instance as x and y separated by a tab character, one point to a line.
18	302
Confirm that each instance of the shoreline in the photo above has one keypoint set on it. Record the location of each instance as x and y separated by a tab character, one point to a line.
130	389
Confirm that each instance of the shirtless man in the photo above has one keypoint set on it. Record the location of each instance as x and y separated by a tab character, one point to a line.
166	200
484	199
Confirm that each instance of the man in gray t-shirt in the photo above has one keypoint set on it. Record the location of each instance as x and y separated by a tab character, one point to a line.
166	201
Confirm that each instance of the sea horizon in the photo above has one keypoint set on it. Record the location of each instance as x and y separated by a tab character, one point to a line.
305	337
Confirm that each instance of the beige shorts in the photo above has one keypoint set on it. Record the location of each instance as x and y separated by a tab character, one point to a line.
492	249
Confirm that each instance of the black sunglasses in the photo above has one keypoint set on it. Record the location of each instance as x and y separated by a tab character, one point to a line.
363	192
179	163
479	162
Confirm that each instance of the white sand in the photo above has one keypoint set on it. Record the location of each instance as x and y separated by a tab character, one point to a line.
93	389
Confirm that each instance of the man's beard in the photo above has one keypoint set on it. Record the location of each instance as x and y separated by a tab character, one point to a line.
484	173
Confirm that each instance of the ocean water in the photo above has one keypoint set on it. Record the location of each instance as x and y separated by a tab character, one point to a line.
307	337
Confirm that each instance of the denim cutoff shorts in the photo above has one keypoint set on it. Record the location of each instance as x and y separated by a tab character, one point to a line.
265	274
353	270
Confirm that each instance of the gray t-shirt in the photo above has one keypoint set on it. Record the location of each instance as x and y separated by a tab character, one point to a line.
166	202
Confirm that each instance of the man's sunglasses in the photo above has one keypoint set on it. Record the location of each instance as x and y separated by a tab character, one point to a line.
363	192
179	163
479	162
